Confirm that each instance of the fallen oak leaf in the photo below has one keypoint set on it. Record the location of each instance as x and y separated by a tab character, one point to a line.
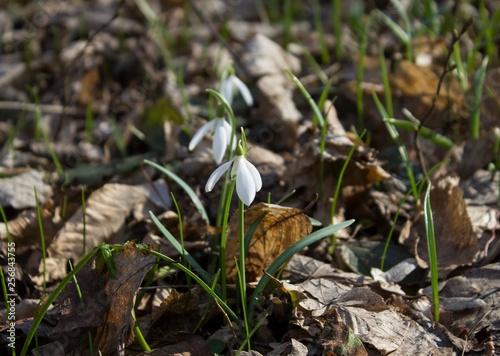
279	229
108	304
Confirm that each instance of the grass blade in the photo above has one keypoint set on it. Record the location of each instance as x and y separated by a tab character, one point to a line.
425	132
339	183
39	216
308	97
431	247
190	192
401	148
38	318
478	92
392	230
206	277
197	279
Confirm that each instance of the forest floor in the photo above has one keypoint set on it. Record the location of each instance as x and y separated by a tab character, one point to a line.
373	127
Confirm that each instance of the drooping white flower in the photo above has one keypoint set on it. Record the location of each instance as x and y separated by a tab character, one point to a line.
248	180
233	84
220	129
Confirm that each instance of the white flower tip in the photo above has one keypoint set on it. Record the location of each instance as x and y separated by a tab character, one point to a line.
215	176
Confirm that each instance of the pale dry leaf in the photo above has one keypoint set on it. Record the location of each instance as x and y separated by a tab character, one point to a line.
18	191
185	345
292	348
106	211
385	329
477	290
265	59
330	331
481	188
25	229
467	157
280	228
323	290
307	267
415	88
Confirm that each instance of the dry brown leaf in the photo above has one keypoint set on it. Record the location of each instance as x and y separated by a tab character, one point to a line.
280	228
186	345
89	81
456	244
338	338
467	157
108	305
116	328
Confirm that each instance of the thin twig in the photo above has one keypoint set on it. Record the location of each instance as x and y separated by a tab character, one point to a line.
79	55
46	109
446	69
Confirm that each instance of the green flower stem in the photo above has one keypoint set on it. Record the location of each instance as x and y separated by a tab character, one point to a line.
243	283
223	242
431	249
249	336
139	337
322	160
42	239
241	279
230	112
337	189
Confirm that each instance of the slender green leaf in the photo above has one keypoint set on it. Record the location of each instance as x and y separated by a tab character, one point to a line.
425	132
173	241
41	313
308	97
289	253
392	230
431	248
478	92
197	279
190	192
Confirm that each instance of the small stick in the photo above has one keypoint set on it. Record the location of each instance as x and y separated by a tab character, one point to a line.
446	70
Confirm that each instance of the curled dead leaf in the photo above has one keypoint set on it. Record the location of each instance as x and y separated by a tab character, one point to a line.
280	228
456	244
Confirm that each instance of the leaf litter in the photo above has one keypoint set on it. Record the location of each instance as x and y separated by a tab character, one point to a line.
110	97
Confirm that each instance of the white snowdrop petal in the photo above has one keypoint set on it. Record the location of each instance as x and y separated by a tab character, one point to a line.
198	136
227	90
236	166
215	176
229	130
243	89
220	140
255	175
245	186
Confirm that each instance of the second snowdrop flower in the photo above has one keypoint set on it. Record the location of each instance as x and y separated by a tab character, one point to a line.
220	129
233	84
248	180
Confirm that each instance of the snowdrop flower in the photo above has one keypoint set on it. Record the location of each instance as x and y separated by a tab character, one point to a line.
220	129
232	84
248	180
